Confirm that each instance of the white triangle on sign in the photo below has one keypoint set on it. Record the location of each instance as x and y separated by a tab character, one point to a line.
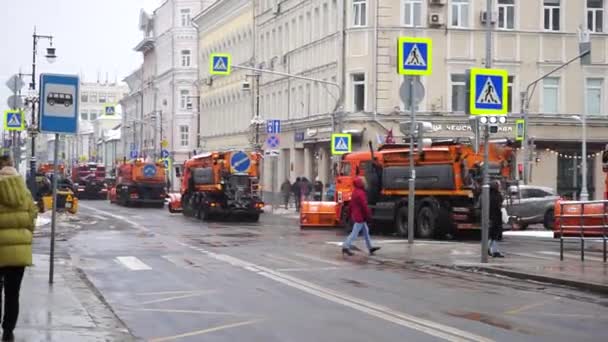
220	64
341	145
414	58
488	93
13	121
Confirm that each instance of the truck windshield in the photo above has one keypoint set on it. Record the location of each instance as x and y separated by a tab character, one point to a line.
346	169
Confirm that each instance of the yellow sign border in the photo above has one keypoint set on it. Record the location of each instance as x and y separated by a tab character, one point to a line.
504	74
429	62
14	129
109	105
348	137
228	67
523	130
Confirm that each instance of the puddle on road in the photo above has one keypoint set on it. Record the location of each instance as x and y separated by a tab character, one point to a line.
355	283
489	320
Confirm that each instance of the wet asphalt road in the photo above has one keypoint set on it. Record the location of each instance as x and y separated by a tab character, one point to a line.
172	278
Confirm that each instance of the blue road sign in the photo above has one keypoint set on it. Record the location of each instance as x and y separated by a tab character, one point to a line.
341	143
166	162
164	154
273	126
133	154
240	162
489	92
14	120
149	170
219	64
273	141
415	56
59	103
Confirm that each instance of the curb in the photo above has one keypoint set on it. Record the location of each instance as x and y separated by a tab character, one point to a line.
587	286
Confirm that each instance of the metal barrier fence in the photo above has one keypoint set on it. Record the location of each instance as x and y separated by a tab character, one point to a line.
584	220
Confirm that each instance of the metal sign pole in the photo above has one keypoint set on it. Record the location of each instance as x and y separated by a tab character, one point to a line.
485	188
54	212
411	198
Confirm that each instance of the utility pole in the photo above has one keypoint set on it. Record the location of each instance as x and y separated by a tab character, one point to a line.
485	188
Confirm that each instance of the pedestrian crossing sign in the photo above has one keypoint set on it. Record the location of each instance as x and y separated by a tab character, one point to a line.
14	120
341	144
489	92
520	126
219	64
415	56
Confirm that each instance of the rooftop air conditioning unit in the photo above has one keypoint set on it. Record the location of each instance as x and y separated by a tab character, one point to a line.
483	17
436	19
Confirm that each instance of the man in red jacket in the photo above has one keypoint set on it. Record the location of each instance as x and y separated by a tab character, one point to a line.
360	214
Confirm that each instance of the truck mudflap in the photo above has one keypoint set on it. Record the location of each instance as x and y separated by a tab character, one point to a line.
580	218
175	203
320	214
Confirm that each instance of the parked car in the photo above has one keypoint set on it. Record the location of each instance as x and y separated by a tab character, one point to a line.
529	204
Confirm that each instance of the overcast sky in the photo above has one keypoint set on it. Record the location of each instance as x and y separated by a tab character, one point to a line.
91	37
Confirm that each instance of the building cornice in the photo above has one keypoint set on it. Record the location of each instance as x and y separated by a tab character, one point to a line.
218	12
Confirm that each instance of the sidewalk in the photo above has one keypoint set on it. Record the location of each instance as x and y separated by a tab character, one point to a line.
281	211
67	311
521	262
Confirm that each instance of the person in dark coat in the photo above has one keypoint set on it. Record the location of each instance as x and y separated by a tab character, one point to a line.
360	213
286	192
496	200
305	189
318	190
297	192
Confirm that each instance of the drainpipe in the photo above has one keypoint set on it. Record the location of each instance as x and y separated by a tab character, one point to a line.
375	60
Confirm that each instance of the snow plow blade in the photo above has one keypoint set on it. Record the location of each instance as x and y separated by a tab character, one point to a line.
320	214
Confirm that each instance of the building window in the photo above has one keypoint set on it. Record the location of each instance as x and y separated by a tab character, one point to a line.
184	98
185	16
412	12
460	13
506	14
184	136
93	97
359	12
185	58
84	115
93	114
84	97
551	95
359	92
595	15
458	92
111	98
511	94
551	8
594	96
102	98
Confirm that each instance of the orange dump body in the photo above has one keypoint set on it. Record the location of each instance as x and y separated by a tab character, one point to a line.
320	214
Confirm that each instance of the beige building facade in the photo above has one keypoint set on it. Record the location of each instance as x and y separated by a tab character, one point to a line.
353	43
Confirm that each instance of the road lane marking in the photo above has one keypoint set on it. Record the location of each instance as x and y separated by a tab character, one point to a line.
161	293
282	260
530	306
204	331
99	217
133	263
198	312
310	257
118	217
309	269
429	327
190	295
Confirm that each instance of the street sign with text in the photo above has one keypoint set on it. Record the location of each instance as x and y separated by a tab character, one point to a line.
59	103
273	126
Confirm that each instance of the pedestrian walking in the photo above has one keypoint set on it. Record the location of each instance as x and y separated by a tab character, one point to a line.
297	192
306	189
318	189
17	222
496	200
286	192
360	213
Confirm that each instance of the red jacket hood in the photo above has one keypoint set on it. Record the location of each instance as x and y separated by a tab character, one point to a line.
358	183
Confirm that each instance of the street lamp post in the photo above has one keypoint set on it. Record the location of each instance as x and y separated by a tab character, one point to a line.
50	55
584	191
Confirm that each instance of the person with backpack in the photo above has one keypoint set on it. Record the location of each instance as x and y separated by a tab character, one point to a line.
360	213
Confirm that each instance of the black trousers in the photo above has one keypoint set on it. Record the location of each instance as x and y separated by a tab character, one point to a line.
495	227
11	282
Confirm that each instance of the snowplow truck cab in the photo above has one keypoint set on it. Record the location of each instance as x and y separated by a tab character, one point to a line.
140	182
212	187
90	180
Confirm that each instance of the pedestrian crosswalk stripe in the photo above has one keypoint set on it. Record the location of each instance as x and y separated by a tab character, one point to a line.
488	94
220	64
14	121
133	263
415	58
342	145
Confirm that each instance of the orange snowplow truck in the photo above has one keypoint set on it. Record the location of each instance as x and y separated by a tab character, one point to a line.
139	183
220	184
448	174
583	218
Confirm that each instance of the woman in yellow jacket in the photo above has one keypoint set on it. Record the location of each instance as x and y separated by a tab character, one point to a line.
17	222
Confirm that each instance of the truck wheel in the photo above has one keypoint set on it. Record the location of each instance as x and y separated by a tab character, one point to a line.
401	222
253	217
549	221
426	222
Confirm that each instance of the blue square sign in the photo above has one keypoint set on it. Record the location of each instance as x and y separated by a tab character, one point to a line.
415	56
489	92
59	98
